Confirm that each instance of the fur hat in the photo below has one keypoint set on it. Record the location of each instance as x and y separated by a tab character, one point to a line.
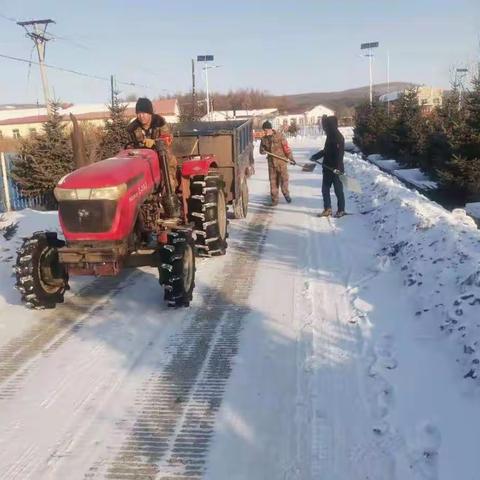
144	105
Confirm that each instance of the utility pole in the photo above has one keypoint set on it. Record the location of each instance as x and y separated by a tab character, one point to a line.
388	83
36	30
112	88
194	93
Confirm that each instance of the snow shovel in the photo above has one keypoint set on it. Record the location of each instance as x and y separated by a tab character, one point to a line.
306	167
349	183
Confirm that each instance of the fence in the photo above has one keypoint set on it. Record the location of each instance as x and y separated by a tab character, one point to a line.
10	195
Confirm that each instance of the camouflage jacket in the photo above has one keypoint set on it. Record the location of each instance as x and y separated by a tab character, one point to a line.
277	144
158	129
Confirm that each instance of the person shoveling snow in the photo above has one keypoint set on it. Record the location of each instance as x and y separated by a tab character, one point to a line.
275	145
332	155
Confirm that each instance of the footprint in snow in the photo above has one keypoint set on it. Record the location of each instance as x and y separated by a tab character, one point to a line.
383	350
425	450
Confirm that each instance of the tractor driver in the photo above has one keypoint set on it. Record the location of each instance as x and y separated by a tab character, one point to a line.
147	128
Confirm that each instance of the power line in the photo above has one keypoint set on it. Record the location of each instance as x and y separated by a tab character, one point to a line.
10	19
75	72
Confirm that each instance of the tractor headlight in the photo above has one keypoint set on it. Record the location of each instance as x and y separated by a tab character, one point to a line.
62	194
108	193
105	193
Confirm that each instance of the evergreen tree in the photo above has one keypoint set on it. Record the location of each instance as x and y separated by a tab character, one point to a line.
44	158
461	176
371	128
448	121
460	173
407	131
115	135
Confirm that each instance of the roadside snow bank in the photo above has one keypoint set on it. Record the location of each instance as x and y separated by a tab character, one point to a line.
412	176
438	252
387	165
473	209
416	177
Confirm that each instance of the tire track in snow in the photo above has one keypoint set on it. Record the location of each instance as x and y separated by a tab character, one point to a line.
54	328
176	409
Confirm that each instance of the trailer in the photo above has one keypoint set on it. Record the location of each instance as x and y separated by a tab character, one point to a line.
231	143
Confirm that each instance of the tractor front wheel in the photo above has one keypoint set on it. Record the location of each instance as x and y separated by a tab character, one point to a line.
41	279
207	210
177	268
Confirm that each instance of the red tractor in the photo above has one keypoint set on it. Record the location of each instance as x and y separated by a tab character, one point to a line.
122	212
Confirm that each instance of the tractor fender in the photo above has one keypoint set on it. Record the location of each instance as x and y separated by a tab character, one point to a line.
198	165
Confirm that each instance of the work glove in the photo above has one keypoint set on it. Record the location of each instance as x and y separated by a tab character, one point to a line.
337	172
312	159
149	142
292	161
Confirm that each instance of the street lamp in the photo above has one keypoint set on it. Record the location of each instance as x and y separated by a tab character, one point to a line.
206	68
205	59
369	47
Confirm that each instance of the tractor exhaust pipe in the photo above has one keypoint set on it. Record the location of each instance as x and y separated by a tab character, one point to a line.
170	201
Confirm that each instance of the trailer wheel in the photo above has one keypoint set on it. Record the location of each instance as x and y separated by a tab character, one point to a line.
41	279
207	210
240	205
177	268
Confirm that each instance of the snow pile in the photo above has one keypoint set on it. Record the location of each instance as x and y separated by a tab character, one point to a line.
412	176
384	164
438	252
473	209
416	177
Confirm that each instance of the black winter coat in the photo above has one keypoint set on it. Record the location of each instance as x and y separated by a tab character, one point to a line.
334	148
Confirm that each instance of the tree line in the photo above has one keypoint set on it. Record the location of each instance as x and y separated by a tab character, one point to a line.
443	143
46	157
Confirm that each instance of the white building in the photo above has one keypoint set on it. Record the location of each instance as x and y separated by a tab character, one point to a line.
309	118
315	114
18	123
222	115
428	97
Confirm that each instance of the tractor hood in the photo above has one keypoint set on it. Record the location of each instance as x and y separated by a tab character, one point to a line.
128	167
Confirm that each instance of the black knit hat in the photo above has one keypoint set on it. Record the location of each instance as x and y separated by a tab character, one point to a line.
144	105
267	125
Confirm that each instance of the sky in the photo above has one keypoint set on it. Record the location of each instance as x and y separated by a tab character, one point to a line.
282	47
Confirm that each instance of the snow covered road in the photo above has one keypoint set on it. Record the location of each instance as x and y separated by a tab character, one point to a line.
303	356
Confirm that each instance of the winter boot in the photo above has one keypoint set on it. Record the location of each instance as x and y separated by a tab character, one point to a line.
288	198
326	213
340	214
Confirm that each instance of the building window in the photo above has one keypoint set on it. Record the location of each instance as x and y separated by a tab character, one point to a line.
16	133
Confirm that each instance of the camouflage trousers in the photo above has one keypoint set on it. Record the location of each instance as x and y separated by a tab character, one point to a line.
278	175
172	169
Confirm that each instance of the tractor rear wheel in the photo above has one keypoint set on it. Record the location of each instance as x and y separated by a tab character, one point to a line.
240	204
207	209
177	268
41	279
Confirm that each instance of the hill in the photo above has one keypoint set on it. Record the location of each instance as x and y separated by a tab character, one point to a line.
342	102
